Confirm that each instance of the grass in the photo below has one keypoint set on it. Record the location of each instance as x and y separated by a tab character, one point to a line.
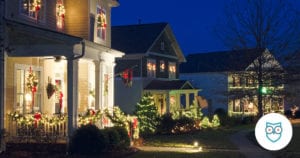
209	139
144	154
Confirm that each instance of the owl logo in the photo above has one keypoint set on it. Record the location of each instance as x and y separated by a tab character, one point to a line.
273	131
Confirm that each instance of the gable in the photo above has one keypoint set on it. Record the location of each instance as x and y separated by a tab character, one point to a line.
269	62
162	46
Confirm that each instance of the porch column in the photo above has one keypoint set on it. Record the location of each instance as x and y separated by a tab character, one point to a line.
72	91
97	83
168	102
101	84
187	100
111	87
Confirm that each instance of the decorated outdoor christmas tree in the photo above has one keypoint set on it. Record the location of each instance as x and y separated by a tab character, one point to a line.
146	112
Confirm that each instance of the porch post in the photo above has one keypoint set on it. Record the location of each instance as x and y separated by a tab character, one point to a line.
111	87
187	100
97	83
101	85
168	102
72	67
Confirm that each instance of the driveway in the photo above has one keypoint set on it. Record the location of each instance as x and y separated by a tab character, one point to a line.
247	148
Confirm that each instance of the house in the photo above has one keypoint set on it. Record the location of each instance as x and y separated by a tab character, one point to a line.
56	59
292	86
150	64
229	80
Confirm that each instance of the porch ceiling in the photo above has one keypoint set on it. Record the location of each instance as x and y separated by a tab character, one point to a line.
28	41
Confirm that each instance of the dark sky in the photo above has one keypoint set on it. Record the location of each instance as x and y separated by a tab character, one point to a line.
192	21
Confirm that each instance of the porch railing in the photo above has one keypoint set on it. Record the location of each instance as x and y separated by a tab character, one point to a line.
34	128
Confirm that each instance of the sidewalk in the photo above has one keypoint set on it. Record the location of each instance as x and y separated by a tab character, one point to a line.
247	148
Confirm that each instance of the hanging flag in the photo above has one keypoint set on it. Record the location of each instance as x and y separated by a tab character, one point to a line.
127	76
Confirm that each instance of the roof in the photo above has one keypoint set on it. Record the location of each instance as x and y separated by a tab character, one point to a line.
168	85
133	39
222	61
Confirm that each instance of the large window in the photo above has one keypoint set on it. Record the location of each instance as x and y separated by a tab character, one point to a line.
101	22
172	70
27	91
151	68
32	8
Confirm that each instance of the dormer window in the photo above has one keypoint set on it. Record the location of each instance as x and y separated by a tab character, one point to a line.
31	8
172	70
151	68
162	66
101	23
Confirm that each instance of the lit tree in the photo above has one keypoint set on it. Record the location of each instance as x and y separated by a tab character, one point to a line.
146	112
260	24
215	121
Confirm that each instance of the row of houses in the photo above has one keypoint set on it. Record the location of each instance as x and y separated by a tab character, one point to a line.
63	56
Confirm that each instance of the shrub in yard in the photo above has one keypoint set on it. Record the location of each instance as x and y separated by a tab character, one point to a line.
288	113
113	138
167	123
297	114
88	140
184	125
205	123
124	142
215	122
222	114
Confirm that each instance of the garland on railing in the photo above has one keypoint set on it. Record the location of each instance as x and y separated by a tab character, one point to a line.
37	118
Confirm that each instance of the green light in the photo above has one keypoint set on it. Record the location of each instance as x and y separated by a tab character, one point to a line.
264	90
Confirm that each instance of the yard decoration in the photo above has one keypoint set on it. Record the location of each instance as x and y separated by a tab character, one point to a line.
127	76
50	88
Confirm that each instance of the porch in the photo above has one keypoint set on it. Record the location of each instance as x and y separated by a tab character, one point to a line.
50	79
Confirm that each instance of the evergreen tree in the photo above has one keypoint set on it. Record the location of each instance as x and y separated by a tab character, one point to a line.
146	112
215	121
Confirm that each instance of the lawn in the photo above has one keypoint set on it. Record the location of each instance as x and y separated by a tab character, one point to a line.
144	154
207	139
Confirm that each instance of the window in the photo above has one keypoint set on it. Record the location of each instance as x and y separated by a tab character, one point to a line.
162	45
151	68
249	81
32	8
28	92
236	81
101	22
237	105
172	70
60	14
162	66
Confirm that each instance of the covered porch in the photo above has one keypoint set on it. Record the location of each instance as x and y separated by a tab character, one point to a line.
172	96
51	78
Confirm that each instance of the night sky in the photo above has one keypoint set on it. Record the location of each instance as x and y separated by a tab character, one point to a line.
192	22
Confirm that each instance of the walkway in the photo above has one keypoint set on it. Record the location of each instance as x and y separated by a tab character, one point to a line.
247	148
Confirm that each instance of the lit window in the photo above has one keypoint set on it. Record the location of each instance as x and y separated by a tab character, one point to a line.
151	68
32	8
172	70
162	66
236	82
28	92
101	22
60	14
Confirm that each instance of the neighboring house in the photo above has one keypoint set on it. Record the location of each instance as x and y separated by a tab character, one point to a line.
153	55
57	59
228	81
292	86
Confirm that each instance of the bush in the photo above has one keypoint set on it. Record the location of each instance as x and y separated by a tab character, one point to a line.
205	122
88	140
166	124
184	125
113	138
124	142
222	114
297	114
215	121
288	113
